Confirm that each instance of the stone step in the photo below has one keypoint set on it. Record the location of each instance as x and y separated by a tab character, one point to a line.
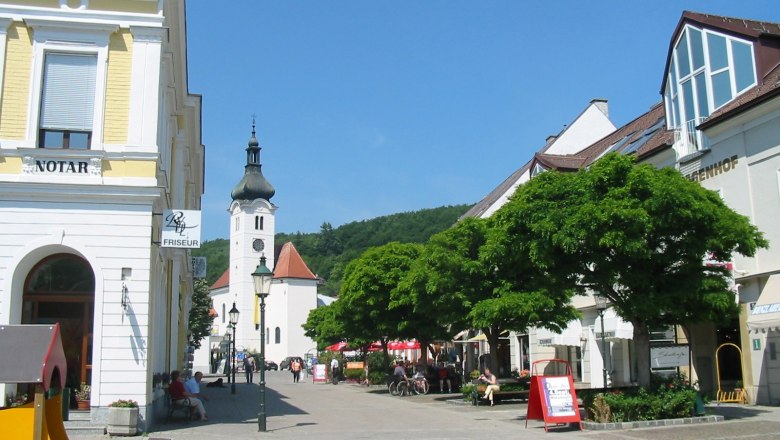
79	424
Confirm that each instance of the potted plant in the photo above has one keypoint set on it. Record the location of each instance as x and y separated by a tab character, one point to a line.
123	418
82	396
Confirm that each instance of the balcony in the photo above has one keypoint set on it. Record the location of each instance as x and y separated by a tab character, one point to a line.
688	140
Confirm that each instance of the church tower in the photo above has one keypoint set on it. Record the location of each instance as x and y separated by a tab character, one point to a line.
252	229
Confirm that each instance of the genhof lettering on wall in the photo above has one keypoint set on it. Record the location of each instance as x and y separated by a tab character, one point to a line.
180	229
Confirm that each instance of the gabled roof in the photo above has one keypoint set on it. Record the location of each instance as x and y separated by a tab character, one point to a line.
222	281
644	136
764	35
483	205
291	265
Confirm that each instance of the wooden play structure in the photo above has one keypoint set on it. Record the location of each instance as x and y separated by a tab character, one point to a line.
33	354
737	394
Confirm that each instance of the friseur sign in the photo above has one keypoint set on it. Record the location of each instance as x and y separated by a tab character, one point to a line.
180	229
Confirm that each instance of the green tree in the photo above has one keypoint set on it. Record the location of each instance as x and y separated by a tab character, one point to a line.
199	320
365	307
638	235
463	280
323	326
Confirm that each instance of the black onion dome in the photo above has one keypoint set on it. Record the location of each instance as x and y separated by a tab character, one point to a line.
253	185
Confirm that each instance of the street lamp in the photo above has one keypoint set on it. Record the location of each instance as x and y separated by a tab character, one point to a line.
601	305
262	278
233	313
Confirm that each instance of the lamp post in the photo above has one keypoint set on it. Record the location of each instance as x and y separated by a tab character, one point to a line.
601	305
262	278
233	313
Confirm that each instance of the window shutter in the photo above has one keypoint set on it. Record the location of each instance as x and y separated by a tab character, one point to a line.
68	98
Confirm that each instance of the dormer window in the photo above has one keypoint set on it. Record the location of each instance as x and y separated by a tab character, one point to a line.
707	70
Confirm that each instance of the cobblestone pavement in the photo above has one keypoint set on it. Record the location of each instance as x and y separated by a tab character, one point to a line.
347	411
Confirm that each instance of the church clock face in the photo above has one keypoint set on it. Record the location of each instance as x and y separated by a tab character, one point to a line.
258	245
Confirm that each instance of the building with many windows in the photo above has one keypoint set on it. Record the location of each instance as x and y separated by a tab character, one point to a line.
717	124
99	136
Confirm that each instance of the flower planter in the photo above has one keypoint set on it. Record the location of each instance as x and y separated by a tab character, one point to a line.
122	421
83	405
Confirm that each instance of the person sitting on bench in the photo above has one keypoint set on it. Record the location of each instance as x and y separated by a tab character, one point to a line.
490	380
180	396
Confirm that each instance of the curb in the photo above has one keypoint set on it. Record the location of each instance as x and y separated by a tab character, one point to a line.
593	426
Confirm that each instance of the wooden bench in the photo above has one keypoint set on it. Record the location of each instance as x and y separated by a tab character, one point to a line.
479	391
174	406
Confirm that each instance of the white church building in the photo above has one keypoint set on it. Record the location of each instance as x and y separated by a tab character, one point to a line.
294	289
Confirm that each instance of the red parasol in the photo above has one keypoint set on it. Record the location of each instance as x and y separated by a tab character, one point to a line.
338	346
375	346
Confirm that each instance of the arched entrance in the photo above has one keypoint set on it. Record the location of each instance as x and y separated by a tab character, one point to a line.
61	288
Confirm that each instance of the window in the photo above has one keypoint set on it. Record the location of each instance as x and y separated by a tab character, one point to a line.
223	313
67	101
277	335
707	71
267	336
258	223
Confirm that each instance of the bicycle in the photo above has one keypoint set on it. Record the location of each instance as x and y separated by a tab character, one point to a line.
420	385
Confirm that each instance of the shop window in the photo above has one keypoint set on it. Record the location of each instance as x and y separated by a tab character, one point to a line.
67	101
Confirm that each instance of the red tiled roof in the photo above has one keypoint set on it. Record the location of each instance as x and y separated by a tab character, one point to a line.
222	281
291	265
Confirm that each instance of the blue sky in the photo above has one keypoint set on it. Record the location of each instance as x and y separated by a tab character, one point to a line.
368	108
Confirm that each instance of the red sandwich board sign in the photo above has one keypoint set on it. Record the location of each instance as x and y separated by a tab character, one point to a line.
552	398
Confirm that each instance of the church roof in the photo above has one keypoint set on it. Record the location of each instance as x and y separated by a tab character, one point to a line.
291	265
253	185
222	281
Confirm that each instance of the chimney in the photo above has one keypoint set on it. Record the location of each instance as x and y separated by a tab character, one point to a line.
602	105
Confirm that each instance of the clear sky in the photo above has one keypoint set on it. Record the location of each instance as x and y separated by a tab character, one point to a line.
368	108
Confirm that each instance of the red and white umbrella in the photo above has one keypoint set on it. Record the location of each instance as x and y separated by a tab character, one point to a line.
338	346
403	345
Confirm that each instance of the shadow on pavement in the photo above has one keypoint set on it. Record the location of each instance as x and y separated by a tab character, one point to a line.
730	412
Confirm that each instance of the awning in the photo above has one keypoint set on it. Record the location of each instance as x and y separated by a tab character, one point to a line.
571	335
765	315
614	327
479	337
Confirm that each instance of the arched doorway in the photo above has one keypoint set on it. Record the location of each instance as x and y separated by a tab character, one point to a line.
61	288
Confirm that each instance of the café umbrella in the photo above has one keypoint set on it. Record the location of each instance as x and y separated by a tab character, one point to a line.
338	346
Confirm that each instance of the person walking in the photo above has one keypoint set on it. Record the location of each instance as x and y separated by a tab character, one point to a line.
249	367
295	367
334	371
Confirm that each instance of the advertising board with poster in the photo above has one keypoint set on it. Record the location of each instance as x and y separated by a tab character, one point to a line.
319	374
552	397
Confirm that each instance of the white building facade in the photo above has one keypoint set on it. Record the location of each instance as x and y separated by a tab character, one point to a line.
293	292
99	135
717	124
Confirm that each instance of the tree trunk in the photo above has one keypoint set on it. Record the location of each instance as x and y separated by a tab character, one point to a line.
642	349
493	343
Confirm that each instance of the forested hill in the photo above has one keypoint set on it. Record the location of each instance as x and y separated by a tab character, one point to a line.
327	252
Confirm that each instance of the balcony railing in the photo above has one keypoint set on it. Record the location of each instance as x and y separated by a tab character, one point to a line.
689	140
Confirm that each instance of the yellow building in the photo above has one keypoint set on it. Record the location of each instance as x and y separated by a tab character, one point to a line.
99	140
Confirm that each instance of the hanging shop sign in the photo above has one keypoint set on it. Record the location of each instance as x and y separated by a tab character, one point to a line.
669	356
180	229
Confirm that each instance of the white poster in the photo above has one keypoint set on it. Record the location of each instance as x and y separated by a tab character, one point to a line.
669	356
558	396
180	229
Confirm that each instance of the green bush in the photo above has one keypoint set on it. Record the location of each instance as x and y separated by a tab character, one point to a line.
467	389
354	374
668	398
376	377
